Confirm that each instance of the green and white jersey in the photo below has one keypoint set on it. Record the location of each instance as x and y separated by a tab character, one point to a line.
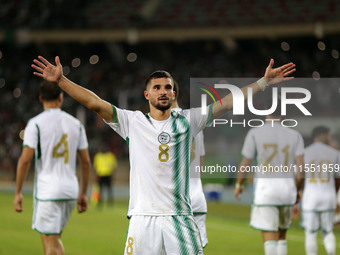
56	136
198	201
275	149
319	192
159	154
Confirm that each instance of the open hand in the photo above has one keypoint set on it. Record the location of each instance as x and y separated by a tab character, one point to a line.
46	70
279	74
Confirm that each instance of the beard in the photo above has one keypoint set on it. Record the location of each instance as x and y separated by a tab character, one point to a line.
162	107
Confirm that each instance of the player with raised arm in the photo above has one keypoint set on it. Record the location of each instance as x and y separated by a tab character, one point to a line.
56	139
319	193
159	148
274	193
197	198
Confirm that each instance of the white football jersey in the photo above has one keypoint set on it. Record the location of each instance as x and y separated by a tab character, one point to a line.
56	136
159	154
197	197
319	190
274	147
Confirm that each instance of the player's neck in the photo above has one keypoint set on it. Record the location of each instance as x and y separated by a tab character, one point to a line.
51	105
159	114
174	105
320	140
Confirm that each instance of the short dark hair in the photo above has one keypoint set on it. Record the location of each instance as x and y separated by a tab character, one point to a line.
158	74
176	89
319	130
49	91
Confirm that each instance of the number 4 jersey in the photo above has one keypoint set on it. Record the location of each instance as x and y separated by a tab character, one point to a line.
56	136
159	154
322	163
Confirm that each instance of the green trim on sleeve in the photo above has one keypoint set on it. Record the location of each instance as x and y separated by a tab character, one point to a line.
209	115
127	139
115	116
199	213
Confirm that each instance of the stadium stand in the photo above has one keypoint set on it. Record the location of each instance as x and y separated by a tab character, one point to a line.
120	80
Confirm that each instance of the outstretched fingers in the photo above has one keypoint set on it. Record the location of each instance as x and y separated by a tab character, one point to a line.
39	69
38	74
288	78
42	59
289	72
37	62
271	63
287	69
57	60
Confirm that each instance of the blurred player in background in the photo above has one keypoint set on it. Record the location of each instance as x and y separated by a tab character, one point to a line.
197	197
334	143
104	163
55	138
160	214
275	193
319	194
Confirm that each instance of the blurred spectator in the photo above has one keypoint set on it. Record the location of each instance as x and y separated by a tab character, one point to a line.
104	164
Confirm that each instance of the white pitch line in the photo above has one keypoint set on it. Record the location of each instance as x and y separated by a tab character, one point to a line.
244	230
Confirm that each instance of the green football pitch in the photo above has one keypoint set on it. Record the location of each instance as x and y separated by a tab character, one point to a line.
104	231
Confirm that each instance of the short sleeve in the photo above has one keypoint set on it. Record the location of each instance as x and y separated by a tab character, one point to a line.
121	121
249	147
83	144
200	142
31	135
198	121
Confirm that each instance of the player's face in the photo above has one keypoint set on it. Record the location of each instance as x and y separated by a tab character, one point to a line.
160	93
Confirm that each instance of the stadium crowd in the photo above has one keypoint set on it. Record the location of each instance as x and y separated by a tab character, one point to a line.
117	72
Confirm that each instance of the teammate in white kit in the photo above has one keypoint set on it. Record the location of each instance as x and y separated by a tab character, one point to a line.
275	193
56	139
319	193
160	142
197	198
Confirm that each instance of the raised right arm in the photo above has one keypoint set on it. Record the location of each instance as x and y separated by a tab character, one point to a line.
54	73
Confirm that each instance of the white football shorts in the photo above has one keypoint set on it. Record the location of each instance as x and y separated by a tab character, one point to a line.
51	217
271	218
313	221
171	235
200	221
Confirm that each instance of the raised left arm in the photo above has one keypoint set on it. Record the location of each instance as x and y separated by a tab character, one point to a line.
271	76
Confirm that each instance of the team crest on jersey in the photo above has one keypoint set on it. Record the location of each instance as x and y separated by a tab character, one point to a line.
164	138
